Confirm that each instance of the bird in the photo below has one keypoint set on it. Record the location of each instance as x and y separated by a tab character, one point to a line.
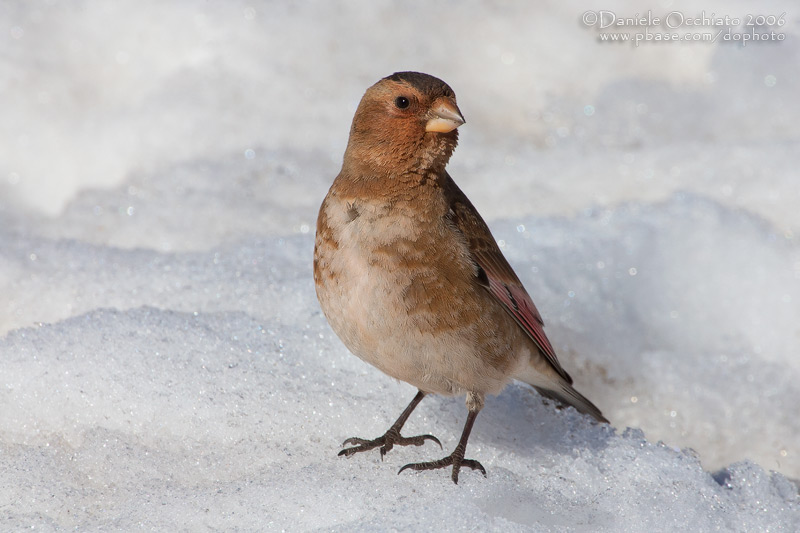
411	279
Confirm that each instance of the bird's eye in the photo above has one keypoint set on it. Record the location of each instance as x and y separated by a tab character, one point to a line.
402	102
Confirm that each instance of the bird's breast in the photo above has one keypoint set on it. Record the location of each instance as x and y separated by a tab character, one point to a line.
399	288
388	256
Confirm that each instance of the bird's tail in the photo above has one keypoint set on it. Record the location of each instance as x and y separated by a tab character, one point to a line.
561	391
568	395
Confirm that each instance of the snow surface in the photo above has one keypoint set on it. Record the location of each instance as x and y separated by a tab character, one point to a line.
164	363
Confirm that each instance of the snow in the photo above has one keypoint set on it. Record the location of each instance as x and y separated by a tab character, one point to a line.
164	363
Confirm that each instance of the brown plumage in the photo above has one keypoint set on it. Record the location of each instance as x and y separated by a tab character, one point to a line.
409	275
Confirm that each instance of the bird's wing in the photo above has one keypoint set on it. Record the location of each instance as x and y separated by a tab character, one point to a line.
497	275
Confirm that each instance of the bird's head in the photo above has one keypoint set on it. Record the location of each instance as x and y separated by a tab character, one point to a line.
405	123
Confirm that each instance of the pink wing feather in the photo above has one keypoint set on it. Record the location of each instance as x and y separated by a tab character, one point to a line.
501	281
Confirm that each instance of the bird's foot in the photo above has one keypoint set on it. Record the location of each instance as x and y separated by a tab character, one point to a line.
386	442
456	459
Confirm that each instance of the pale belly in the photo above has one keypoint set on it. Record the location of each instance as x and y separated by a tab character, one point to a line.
389	305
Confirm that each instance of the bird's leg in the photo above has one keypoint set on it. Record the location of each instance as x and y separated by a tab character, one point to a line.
456	459
392	436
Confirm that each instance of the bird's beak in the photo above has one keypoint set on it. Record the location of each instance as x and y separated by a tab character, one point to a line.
444	116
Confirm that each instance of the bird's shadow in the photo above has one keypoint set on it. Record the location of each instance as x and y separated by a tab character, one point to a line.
520	421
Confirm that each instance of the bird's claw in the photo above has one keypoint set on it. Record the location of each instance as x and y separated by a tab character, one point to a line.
453	459
386	443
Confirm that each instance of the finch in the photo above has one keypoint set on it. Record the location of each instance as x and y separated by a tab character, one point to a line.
411	279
